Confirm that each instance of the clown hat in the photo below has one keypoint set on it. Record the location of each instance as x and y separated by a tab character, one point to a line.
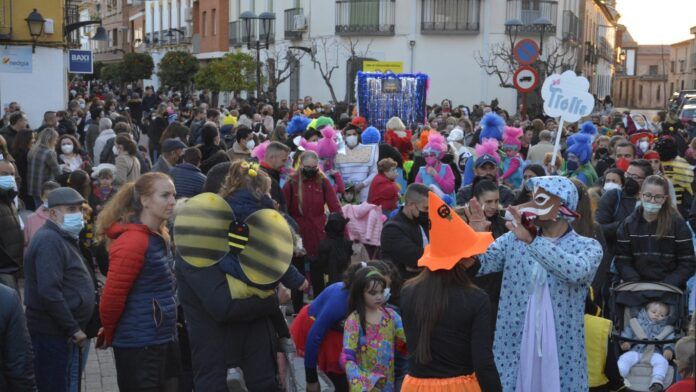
451	239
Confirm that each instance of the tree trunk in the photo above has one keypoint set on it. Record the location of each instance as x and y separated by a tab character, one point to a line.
331	89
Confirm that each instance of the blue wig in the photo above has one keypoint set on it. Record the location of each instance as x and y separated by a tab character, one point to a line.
297	125
491	127
589	128
580	145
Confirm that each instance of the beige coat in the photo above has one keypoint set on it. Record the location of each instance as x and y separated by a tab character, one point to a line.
127	169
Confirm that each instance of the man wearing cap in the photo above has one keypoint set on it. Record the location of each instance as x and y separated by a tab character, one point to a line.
485	166
58	291
172	151
547	268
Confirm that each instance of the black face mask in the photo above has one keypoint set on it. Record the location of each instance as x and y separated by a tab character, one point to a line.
631	187
309	172
423	219
601	153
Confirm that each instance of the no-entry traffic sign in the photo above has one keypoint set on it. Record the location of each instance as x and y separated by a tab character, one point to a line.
526	51
525	79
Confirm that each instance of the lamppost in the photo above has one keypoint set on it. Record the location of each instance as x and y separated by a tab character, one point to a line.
36	25
512	27
266	19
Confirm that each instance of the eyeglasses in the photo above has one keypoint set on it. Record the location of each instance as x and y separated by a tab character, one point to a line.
657	198
634	176
429	154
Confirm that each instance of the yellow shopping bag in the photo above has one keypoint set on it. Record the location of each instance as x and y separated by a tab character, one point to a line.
597	332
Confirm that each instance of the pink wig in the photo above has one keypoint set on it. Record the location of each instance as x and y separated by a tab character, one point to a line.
259	152
327	147
490	147
511	137
436	143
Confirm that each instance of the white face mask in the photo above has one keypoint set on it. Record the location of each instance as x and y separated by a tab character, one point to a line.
67	148
114	149
352	141
643	145
250	144
611	185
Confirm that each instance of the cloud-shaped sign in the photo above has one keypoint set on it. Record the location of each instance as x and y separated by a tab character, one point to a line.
566	96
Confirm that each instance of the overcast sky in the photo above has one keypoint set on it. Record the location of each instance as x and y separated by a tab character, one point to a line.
653	22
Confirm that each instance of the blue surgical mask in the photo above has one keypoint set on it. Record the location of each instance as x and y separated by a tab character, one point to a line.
651	208
387	294
45	205
7	183
73	223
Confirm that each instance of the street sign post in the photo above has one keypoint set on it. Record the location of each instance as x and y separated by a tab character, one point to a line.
80	61
526	79
526	51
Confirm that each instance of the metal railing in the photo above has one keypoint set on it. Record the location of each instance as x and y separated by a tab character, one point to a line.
571	26
5	19
72	15
235	34
365	17
290	31
605	50
528	11
450	16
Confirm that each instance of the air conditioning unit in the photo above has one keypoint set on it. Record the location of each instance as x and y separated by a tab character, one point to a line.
188	14
299	23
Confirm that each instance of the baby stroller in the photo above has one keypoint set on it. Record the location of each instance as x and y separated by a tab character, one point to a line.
627	300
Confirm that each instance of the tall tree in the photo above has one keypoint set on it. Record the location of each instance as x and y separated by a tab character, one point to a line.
177	69
280	64
136	66
235	72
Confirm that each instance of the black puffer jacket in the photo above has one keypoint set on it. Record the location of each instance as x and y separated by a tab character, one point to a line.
16	355
641	256
11	235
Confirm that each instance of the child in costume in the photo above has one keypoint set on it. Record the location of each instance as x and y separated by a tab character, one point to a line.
653	322
372	334
492	126
512	163
399	137
436	175
335	250
579	153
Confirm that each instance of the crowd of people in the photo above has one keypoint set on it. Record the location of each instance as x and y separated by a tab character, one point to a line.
463	254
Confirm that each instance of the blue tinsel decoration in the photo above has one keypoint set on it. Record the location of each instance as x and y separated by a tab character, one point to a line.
409	104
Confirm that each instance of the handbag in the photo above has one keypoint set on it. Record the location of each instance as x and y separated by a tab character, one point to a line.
597	332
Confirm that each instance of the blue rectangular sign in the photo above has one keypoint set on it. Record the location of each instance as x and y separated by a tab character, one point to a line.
80	61
16	59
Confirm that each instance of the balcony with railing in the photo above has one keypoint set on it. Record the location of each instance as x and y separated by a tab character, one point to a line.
529	11
235	34
450	16
365	17
72	15
292	30
605	50
571	26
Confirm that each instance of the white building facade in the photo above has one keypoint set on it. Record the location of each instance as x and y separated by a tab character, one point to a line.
441	38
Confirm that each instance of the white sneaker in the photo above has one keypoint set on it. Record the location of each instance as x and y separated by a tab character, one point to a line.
235	380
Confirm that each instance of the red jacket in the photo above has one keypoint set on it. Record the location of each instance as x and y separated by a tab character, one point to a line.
403	144
383	192
685	385
138	307
312	219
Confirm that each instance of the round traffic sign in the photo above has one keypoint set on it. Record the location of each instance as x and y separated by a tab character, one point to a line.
526	51
525	79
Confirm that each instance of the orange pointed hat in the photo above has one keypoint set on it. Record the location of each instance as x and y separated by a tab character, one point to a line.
451	239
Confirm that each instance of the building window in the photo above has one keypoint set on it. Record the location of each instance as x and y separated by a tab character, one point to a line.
658	92
114	37
671	87
672	66
652	70
682	85
450	16
213	22
682	65
640	92
204	23
365	17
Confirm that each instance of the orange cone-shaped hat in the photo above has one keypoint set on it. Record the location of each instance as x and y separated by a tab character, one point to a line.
451	239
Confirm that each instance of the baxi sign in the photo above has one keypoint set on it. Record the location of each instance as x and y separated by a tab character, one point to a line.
80	61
